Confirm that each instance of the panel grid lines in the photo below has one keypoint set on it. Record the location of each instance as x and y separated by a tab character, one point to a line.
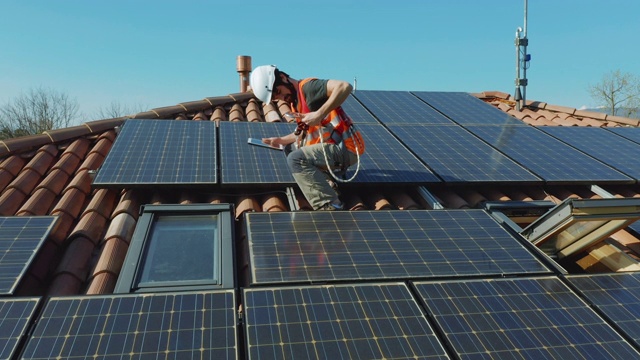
20	239
161	152
181	325
400	107
377	321
15	315
366	245
521	318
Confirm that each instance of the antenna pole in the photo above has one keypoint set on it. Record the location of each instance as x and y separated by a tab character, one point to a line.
522	61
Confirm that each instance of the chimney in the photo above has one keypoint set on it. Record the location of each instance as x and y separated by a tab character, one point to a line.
243	66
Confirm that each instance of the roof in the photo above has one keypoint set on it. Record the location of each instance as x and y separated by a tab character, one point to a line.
51	174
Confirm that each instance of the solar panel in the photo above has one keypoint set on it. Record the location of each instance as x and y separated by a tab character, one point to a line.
458	156
177	326
466	109
373	321
400	107
357	112
370	245
617	296
547	157
631	133
15	316
20	239
242	163
387	161
521	319
611	149
161	152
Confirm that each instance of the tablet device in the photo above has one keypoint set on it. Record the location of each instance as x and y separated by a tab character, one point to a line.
258	142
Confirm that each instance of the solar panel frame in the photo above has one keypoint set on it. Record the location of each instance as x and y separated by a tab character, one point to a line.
386	160
617	296
161	153
308	247
611	149
535	318
21	237
466	109
547	157
400	107
180	325
457	156
15	316
242	163
364	321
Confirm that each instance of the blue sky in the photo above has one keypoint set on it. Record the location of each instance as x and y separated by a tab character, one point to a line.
160	53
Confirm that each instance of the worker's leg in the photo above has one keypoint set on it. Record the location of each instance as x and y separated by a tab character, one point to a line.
306	164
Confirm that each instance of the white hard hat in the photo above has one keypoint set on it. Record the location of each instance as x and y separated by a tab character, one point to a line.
261	81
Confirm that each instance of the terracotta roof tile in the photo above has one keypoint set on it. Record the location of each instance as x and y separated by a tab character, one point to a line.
274	203
236	113
103	125
39	203
81	181
12	164
271	113
91	227
102	283
10	201
246	204
67	133
403	201
63	226
129	203
219	114
102	203
55	181
71	202
23	143
41	162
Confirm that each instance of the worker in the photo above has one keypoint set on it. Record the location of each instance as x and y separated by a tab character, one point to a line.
312	157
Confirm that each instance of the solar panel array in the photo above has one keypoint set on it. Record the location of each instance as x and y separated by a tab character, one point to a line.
357	112
161	152
617	296
373	321
466	109
521	318
15	315
611	149
372	245
242	163
631	133
458	156
20	239
400	107
547	157
176	326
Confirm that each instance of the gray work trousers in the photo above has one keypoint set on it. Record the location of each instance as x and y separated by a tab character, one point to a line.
308	164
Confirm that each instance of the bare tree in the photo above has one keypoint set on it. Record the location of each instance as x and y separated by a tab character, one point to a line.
116	109
37	111
618	92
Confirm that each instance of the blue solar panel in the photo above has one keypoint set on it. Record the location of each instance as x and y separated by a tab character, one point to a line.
521	319
15	316
20	239
242	163
547	157
631	133
372	321
357	112
400	107
387	161
617	296
373	245
466	109
458	156
161	152
168	326
611	149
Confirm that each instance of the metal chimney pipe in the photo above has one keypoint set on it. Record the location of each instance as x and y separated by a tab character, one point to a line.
243	66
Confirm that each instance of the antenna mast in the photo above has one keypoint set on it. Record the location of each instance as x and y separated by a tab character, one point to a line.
522	62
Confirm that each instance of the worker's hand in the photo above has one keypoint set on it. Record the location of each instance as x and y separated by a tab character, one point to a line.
313	118
273	141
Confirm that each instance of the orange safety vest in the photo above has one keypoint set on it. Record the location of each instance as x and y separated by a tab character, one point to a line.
335	128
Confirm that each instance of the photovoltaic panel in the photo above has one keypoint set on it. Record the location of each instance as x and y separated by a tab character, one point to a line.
547	157
611	149
386	160
371	245
466	109
631	133
161	152
400	107
617	296
169	326
373	321
242	163
15	315
20	239
521	319
357	112
457	156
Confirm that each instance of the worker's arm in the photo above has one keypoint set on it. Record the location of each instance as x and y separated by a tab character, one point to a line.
337	93
280	140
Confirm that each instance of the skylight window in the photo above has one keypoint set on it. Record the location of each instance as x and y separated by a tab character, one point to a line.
179	247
